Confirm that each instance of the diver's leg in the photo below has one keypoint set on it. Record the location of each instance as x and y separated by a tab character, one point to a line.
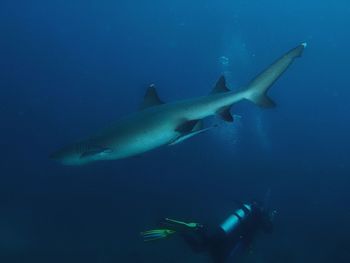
197	240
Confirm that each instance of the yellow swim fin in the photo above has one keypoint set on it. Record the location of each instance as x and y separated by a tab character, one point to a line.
156	234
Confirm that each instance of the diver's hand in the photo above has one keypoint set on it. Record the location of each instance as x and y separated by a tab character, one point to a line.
180	225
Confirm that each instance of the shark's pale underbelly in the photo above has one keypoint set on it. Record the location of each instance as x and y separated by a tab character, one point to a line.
143	142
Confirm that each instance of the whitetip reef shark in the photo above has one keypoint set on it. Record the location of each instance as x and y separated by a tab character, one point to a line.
157	123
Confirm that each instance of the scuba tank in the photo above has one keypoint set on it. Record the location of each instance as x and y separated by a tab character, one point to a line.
237	218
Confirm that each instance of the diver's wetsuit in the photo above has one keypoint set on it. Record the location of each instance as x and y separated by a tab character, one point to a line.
235	234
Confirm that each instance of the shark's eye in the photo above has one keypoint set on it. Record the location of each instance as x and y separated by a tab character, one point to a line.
86	146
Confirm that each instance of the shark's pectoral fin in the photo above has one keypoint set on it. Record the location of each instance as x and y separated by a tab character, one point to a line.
220	86
151	98
188	135
189	129
198	126
189	126
96	151
225	114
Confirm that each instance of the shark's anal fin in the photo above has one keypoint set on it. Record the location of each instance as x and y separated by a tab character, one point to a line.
189	129
151	98
220	86
225	114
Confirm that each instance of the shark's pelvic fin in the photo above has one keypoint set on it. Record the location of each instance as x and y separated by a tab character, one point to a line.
151	98
258	88
225	114
220	86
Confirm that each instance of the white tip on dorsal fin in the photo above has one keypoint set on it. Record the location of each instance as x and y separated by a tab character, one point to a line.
151	98
220	86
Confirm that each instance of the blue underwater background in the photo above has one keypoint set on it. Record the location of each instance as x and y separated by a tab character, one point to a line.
68	68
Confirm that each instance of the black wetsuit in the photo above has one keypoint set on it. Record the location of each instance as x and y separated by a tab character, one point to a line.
223	247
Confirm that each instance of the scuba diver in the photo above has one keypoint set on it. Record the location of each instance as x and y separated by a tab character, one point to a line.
224	243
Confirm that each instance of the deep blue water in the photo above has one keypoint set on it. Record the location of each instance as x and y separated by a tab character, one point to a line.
68	68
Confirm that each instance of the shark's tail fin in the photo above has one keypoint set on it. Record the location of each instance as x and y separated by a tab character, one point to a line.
257	89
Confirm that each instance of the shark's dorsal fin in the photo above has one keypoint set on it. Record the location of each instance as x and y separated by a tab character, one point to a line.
225	114
220	86
151	98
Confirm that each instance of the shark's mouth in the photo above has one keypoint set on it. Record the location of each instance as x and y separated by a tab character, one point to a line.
97	152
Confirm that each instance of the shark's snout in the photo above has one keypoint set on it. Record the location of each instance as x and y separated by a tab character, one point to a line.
78	154
65	156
